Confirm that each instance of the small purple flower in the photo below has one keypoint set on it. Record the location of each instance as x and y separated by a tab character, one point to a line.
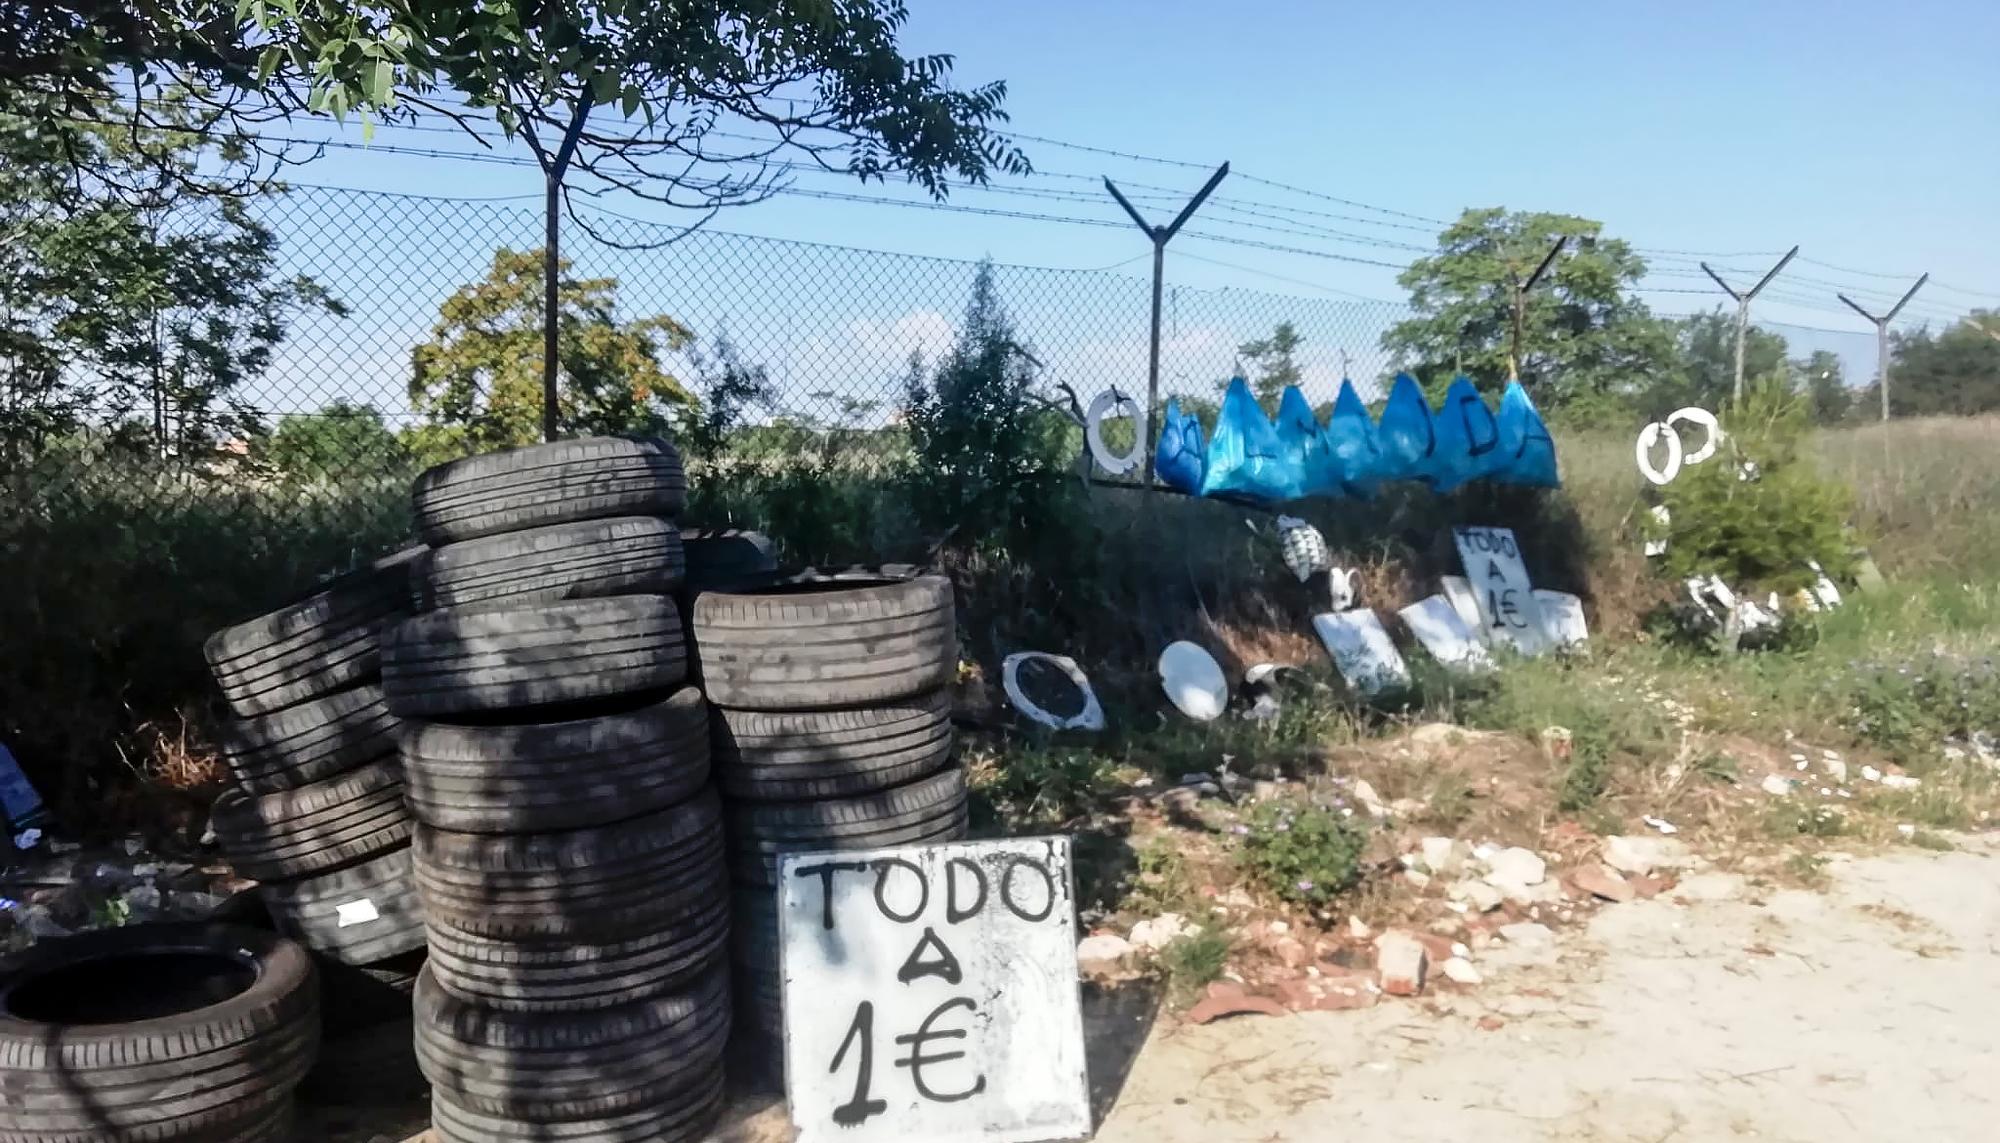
1240	830
1305	886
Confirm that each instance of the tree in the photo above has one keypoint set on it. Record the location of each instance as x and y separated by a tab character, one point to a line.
146	315
989	454
1703	368
1821	378
1583	337
480	375
1956	372
1275	364
729	387
655	100
341	440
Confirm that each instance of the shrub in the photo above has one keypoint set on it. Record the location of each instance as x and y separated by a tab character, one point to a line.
1304	853
1912	706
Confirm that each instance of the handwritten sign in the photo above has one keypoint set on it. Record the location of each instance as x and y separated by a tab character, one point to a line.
931	993
1445	634
1362	651
1508	610
1563	613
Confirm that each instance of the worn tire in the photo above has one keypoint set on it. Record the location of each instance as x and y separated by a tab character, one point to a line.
374	1066
219	1065
686	1118
557	775
619	555
756	961
575	976
566	1066
319	644
316	828
810	755
926	811
603	883
824	644
329	913
724	557
458	662
545	484
310	742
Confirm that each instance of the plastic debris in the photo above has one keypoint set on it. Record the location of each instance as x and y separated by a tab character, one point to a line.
1305	550
1245	456
28	839
1661	824
1445	634
1089	716
1193	681
1180	457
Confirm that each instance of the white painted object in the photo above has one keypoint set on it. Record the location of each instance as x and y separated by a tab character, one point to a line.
1563	613
931	994
1091	717
1444	633
1457	591
1823	586
1659	547
1193	681
1661	824
1342	587
357	912
1508	611
1362	651
1304	549
1664	432
1103	405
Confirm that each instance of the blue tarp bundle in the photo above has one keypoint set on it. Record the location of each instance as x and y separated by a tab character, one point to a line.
1351	455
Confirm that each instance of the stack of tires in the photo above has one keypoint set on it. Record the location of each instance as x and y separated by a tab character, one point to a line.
316	812
568	847
162	1033
832	717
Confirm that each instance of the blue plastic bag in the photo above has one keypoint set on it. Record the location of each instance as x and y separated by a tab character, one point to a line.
1406	435
1306	444
1350	435
1181	456
1527	452
1467	438
1245	456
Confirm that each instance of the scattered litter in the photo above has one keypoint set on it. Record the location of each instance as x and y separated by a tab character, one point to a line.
1901	781
1825	792
1305	550
28	839
1661	824
1907	830
1801	764
1659	547
1562	615
1159	932
1798	758
1460	971
1089	717
1193	681
1871	774
1777	785
1362	651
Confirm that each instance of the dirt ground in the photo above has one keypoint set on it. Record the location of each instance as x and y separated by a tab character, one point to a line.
1868	1011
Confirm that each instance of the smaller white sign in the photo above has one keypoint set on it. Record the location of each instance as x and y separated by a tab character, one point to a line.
931	994
356	912
1457	591
1507	608
1362	650
1445	634
1563	613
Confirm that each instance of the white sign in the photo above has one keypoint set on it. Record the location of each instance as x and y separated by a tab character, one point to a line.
1362	651
1445	634
1508	611
931	994
356	912
1457	591
1563	613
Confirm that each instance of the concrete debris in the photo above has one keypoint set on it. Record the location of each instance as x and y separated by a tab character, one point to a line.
1777	786
1900	782
1401	961
1870	773
1835	769
1369	799
1477	894
1445	856
1516	866
1458	949
1417	878
1460	971
1159	932
1641	855
1263	790
1906	829
1102	954
1711	886
1359	930
1290	951
1603	881
1528	934
1661	824
1226	999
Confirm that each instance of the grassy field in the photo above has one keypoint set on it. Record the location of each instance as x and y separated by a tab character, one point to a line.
113	579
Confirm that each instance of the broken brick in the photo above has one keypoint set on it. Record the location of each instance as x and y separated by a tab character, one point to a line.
1226	999
1401	961
1601	881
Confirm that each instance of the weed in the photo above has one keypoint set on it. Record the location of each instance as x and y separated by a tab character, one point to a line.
1449	801
1715	766
1807	868
1163	883
1925	839
111	913
1047	785
1588	773
1791	821
1192	961
1304	853
1937	806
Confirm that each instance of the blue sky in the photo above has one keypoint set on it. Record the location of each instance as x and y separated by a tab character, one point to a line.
1862	133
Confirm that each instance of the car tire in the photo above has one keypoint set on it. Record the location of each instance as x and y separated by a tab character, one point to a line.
923	812
463	661
619	555
310	742
819	644
686	1117
326	641
315	828
359	915
545	484
812	755
542	777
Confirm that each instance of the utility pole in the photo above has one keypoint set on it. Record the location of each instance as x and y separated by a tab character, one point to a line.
1521	307
1882	336
1160	236
1743	307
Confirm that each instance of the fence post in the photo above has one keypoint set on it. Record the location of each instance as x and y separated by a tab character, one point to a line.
1743	308
1882	337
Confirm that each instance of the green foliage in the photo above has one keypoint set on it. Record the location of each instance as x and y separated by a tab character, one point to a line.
1956	372
728	388
1274	364
1805	819
480	375
988	456
1583	334
341	441
1305	853
1193	961
1823	381
1759	532
1589	770
1049	785
1163	883
1702	367
1911	706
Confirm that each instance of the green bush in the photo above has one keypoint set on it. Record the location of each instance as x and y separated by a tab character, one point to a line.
1305	853
1758	532
1911	706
